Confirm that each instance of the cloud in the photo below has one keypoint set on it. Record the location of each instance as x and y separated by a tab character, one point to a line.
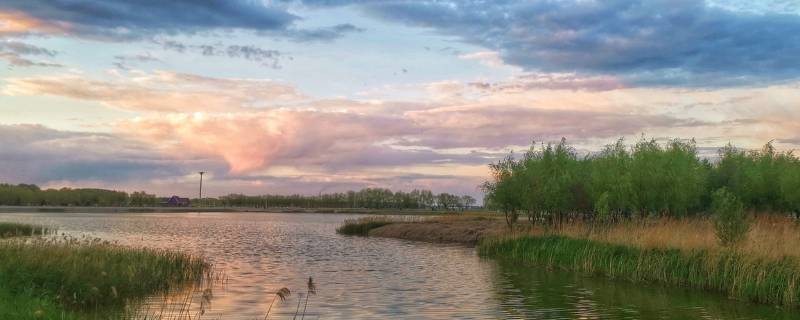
552	81
34	153
123	61
15	23
255	125
26	49
160	91
489	58
14	52
649	43
493	126
126	19
55	158
267	57
120	20
253	140
323	34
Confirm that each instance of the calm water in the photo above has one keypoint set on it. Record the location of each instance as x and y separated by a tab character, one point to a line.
373	278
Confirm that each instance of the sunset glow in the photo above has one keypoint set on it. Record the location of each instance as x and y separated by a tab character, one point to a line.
298	96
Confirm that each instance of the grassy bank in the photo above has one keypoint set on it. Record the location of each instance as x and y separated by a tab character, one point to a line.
465	228
764	267
86	278
771	236
362	226
757	279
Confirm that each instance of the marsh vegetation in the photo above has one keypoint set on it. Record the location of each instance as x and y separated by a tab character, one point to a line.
656	212
62	277
9	229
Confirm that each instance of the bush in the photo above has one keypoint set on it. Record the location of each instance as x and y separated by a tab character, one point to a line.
730	221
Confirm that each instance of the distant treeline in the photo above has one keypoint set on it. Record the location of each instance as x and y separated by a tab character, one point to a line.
551	182
32	195
372	198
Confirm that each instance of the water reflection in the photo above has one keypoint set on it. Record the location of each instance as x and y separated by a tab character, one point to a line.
529	292
372	278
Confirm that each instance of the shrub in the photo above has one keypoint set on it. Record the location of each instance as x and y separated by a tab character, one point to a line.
730	221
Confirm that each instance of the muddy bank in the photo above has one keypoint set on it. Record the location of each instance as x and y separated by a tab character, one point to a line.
449	231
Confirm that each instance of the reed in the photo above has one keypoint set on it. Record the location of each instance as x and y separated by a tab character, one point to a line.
87	277
771	236
11	229
745	277
362	226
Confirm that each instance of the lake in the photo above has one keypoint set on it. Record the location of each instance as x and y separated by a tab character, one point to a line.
376	278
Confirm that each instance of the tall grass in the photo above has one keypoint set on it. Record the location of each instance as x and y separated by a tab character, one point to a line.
11	229
362	226
88	277
771	236
758	279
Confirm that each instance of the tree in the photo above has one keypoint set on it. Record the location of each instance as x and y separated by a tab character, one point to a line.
730	222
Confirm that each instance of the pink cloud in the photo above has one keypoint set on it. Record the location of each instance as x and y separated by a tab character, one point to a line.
553	81
161	92
253	140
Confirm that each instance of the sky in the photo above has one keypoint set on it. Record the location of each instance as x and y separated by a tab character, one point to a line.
291	96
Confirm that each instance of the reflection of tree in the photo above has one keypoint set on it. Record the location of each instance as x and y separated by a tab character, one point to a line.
538	293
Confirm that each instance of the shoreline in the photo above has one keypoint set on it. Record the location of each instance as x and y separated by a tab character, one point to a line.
771	279
464	231
67	209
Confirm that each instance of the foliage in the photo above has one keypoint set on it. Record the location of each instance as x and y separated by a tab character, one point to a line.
371	198
730	221
32	195
551	183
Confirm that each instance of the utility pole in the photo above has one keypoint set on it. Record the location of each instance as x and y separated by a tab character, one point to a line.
201	186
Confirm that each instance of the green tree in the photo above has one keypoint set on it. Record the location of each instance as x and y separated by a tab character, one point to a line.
730	221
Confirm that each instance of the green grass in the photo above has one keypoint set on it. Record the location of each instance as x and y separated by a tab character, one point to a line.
27	305
86	278
362	226
11	229
759	280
